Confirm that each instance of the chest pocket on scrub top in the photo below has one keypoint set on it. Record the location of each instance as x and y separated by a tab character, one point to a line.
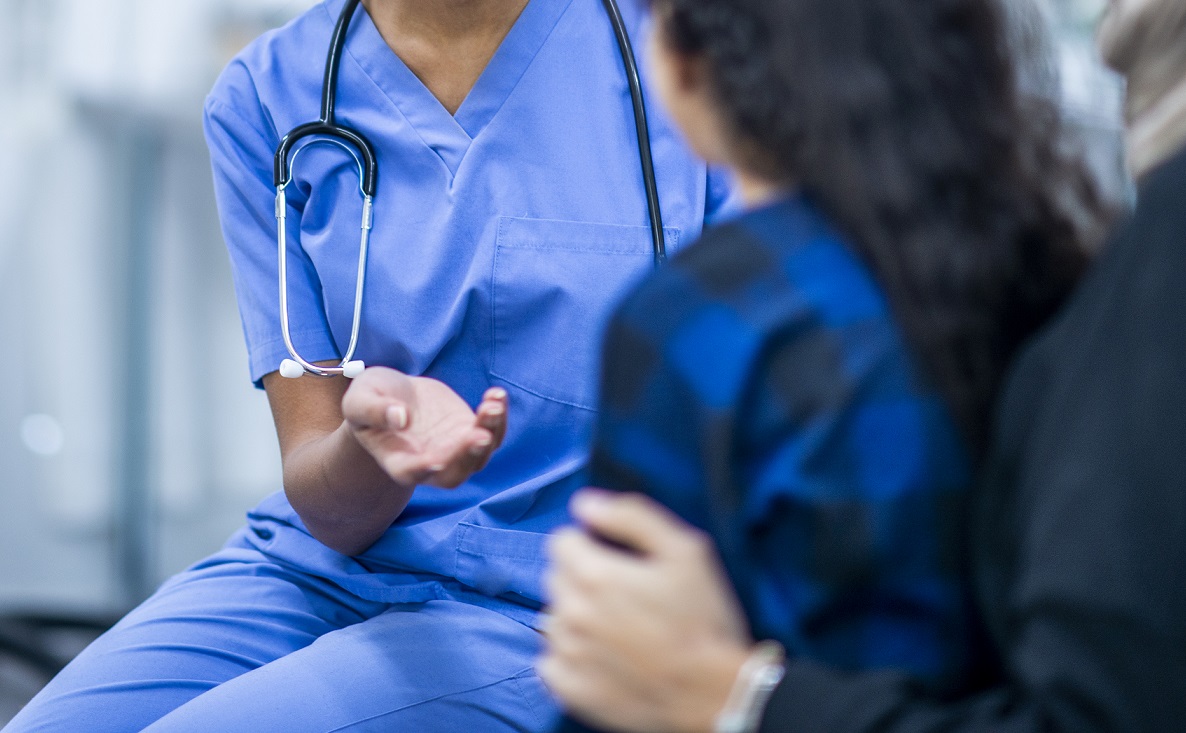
555	286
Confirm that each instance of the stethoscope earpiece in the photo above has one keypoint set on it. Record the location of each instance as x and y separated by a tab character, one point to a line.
289	369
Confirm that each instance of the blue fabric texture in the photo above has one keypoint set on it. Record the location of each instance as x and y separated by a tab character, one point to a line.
761	388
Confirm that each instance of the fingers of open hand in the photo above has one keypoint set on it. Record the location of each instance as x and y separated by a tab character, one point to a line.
492	414
480	446
490	427
469	455
407	468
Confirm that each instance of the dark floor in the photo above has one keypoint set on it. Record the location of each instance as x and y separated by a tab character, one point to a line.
17	685
31	648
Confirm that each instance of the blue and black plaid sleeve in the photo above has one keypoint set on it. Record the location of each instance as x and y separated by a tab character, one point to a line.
760	387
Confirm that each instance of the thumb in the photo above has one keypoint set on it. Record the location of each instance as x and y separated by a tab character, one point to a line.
376	415
365	407
636	522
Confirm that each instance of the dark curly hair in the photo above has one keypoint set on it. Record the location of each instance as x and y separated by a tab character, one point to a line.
903	120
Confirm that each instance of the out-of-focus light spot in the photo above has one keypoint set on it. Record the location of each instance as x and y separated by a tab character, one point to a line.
43	435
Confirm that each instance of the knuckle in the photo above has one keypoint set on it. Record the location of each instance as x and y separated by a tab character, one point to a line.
546	668
551	583
561	545
697	547
555	676
632	503
593	575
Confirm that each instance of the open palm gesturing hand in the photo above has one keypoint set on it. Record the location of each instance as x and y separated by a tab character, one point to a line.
419	430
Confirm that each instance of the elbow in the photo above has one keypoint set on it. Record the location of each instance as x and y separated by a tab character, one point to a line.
343	544
346	535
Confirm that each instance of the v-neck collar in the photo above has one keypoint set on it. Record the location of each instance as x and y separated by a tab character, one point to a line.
449	135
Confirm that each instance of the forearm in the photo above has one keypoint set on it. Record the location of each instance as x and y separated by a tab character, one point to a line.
342	495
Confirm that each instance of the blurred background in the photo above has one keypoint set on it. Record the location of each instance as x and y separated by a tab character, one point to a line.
131	441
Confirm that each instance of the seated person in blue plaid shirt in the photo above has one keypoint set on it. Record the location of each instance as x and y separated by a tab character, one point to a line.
808	386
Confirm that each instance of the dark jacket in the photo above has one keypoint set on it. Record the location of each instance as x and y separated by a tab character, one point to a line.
1079	534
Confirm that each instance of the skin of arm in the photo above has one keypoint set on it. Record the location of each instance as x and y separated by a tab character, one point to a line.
354	451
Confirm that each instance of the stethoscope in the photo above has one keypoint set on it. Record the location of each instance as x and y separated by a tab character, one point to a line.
359	148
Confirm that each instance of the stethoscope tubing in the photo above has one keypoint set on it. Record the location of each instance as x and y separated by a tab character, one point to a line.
642	130
326	129
327	125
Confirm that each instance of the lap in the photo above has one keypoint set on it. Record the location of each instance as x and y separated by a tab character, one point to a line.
243	641
438	666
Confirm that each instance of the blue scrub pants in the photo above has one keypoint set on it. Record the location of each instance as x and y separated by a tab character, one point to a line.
240	643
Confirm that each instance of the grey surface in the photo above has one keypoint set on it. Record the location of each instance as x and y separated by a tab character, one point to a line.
17	686
207	450
19	682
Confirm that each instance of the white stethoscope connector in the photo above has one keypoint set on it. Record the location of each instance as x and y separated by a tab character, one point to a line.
290	369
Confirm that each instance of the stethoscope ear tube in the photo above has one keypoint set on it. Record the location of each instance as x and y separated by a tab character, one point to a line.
368	164
327	125
642	130
297	366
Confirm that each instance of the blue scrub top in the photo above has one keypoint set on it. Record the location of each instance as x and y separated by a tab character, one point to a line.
503	237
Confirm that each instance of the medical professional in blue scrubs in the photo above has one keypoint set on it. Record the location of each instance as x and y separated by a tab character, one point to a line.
510	215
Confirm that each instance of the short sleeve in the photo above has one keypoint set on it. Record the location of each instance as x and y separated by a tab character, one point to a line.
242	143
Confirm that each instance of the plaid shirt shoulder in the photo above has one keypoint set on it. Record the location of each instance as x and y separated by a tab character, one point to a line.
760	387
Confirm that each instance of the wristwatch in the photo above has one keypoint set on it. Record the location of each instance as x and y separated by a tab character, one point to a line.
756	681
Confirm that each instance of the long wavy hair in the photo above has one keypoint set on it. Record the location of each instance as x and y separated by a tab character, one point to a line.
903	120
